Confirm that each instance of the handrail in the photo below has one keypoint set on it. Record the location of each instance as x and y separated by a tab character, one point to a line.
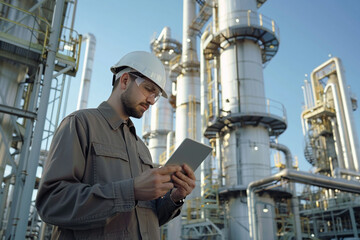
27	12
248	18
30	28
69	45
253	104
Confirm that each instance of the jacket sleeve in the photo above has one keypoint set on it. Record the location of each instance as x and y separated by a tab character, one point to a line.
167	209
63	199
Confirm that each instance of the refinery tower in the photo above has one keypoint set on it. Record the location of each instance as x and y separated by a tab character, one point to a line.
215	77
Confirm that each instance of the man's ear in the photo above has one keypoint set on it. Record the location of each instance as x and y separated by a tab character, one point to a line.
124	81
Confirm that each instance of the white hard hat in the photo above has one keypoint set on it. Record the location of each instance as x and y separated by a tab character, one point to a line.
145	63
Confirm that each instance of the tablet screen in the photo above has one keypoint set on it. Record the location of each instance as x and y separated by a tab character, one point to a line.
191	152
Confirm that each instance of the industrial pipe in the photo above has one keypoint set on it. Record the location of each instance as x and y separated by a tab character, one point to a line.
340	171
349	116
349	120
341	123
294	202
285	150
337	143
299	177
206	166
87	71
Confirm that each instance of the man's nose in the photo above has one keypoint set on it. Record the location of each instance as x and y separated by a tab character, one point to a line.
151	99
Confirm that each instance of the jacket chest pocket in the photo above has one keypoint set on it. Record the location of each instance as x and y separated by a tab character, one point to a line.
145	161
111	163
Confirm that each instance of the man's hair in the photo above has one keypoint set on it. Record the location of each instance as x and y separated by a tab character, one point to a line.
118	75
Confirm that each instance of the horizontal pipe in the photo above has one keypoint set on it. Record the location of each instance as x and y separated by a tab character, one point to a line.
299	177
340	171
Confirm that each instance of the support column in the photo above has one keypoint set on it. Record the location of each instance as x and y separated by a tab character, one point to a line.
39	127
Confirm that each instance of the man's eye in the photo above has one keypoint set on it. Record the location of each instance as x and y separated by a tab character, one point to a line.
149	89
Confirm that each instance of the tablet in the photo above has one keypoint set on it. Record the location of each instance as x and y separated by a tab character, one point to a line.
190	152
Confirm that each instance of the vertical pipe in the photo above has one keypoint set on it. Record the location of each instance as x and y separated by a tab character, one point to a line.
216	88
340	120
305	97
3	197
349	117
187	100
73	18
146	126
169	143
206	165
57	118
66	98
25	149
294	200
87	71
219	159
337	142
310	100
203	86
303	126
39	127
353	222
188	89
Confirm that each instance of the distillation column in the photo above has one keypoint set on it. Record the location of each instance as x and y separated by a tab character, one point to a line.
161	115
246	149
332	147
244	41
188	120
333	107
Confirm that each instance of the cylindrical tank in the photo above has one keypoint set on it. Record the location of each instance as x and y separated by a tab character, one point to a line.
246	148
188	118
161	114
15	15
11	74
161	123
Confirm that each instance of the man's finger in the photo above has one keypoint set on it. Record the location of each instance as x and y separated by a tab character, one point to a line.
165	178
167	186
178	182
189	172
168	169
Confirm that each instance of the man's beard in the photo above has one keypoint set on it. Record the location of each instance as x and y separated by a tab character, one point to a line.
129	106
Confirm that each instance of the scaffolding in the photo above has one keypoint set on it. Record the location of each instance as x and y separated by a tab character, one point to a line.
34	38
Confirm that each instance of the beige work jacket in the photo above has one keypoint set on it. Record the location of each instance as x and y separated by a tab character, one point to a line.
87	187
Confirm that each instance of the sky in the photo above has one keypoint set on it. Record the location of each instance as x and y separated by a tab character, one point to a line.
310	32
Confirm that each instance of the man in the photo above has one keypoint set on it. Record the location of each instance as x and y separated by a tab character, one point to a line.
99	181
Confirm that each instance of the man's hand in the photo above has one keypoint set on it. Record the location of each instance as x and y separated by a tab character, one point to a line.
184	183
154	183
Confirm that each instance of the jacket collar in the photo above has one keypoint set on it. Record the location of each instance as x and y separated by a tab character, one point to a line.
113	118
